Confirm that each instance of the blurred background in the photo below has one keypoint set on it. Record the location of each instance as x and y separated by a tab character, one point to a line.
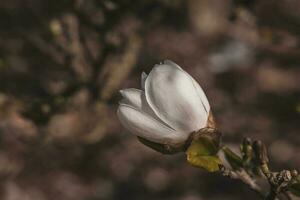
63	62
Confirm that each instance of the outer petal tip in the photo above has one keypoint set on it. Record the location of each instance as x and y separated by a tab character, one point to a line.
143	80
122	92
167	61
131	96
144	75
171	63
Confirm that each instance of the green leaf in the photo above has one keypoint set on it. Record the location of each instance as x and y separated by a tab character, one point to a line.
209	163
202	153
295	189
233	159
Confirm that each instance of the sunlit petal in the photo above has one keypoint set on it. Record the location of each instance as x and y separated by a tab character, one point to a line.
174	97
197	86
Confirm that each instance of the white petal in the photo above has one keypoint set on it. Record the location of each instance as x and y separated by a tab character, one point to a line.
132	97
197	86
143	125
169	62
143	80
136	98
172	95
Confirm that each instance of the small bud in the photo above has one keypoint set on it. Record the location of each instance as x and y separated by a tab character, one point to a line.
286	175
260	152
247	141
247	149
294	173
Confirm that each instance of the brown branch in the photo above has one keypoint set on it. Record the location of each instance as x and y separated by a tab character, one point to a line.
279	182
74	46
245	178
45	47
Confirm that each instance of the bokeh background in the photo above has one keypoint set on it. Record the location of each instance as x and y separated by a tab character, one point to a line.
63	62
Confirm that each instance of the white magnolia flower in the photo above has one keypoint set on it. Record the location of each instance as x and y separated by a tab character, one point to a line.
170	106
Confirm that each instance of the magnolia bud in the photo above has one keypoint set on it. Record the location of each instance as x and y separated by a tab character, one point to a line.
170	106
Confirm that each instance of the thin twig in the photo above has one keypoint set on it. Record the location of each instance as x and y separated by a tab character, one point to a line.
244	177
